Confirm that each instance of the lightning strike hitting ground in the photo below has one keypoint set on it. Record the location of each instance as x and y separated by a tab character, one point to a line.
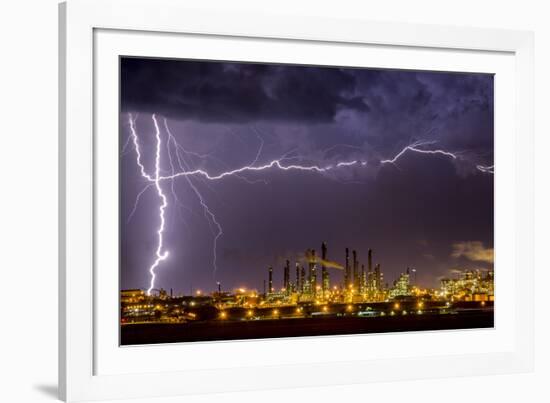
160	254
187	173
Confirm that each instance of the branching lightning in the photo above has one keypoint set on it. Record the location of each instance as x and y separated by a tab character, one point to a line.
414	147
138	198
186	172
212	221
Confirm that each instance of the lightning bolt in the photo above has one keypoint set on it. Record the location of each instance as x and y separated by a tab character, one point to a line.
160	254
486	169
188	174
273	164
414	148
135	140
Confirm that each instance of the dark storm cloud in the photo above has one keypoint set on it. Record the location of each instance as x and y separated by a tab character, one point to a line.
229	92
387	109
454	109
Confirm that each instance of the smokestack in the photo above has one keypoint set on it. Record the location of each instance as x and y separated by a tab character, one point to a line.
369	262
270	280
377	278
355	270
286	276
347	274
298	285
369	271
363	279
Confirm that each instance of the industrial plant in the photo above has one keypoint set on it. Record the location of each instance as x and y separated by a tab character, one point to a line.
306	291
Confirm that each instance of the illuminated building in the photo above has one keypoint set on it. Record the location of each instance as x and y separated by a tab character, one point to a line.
469	286
401	287
326	284
132	296
313	273
324	273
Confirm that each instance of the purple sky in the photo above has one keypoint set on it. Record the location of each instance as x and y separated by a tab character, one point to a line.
430	212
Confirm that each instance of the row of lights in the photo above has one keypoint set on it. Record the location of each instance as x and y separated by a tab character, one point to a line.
349	308
276	312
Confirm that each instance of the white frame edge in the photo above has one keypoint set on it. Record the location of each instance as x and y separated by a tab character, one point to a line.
78	19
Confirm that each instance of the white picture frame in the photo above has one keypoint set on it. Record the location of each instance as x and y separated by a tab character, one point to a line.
82	324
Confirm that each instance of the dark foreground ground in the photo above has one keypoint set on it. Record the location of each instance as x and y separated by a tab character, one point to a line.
238	330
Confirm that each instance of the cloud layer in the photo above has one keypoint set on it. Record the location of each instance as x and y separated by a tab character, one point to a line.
473	250
237	92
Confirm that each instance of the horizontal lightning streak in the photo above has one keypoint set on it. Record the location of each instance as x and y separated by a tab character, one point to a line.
413	147
272	164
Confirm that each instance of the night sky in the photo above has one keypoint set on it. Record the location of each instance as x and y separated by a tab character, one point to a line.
426	211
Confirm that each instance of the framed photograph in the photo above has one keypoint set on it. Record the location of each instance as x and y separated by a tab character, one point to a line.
283	201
